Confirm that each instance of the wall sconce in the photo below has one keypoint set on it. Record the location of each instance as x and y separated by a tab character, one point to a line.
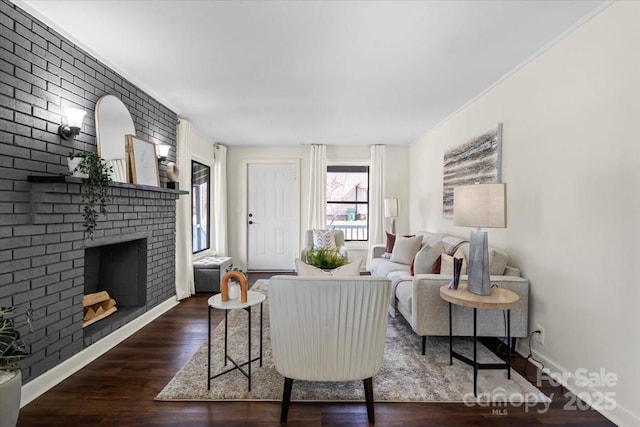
162	150
74	123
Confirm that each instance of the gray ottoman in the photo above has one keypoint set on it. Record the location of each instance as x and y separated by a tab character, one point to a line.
207	273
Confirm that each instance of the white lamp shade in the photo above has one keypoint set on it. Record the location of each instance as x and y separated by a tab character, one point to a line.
391	208
480	205
163	150
74	116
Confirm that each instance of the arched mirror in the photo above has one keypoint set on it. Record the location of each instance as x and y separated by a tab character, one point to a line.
113	123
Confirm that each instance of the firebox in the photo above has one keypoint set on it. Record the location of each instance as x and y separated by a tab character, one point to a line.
120	269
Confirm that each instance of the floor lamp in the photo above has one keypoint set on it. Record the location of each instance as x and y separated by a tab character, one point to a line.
391	211
480	205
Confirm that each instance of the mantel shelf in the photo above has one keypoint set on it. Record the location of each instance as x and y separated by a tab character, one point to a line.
53	179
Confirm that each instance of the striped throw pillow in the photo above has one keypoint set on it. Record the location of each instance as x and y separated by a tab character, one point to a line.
324	239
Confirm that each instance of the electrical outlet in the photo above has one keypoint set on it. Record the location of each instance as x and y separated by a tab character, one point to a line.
539	337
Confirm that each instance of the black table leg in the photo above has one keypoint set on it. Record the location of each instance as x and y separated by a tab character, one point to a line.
509	343
475	354
260	334
450	338
209	352
249	367
225	337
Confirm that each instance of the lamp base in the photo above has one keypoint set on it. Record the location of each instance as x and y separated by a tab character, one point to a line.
478	270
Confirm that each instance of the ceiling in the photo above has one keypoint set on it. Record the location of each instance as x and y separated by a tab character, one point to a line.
313	72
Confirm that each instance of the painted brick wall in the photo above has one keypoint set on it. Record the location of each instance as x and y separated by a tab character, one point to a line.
41	242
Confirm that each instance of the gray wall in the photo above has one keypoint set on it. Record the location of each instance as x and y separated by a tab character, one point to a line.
41	253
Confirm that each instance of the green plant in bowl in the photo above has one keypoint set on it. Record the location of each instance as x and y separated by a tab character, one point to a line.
326	259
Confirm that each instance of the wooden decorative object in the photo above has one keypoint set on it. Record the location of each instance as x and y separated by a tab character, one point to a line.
224	286
97	306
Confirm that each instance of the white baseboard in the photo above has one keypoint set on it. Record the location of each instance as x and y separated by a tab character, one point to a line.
59	373
593	397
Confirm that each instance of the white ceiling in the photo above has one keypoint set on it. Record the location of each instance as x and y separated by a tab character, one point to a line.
313	72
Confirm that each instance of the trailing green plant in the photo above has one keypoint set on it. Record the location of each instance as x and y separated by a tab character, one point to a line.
12	348
325	258
96	194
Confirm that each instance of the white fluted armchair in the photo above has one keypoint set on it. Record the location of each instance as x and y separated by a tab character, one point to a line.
328	329
340	246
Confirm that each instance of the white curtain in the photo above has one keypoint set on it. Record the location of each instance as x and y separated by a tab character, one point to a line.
317	188
219	200
376	197
184	254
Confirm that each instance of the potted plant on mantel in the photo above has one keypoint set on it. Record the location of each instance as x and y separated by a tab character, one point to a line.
97	178
12	350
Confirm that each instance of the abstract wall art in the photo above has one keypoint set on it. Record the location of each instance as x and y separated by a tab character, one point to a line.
474	162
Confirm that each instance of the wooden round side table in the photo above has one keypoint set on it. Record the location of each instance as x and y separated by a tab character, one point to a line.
500	299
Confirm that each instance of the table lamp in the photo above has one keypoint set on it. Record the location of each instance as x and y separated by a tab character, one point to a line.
480	205
391	211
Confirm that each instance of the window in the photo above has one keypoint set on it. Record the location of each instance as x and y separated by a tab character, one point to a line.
348	201
200	206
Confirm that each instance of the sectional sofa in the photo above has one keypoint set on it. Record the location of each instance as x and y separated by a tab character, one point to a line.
417	296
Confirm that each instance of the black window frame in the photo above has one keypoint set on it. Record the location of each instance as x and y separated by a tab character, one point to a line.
352	169
195	190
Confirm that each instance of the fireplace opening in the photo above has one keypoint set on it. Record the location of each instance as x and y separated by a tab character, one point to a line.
120	270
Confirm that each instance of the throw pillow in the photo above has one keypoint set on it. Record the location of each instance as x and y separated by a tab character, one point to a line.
446	264
426	260
351	269
324	239
304	269
391	240
405	249
497	262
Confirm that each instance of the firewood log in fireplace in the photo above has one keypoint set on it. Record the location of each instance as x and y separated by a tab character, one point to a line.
97	306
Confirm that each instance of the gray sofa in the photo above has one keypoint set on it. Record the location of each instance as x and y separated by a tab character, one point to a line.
417	297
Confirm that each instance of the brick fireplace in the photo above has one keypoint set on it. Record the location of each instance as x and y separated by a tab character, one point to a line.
140	218
42	245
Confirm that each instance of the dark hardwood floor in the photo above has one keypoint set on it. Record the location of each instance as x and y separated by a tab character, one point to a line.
118	390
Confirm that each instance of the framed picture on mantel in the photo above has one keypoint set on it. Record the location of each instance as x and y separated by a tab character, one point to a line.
143	161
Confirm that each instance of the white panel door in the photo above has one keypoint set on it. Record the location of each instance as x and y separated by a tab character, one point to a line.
272	221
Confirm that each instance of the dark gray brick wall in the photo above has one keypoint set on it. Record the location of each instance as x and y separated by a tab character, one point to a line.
41	238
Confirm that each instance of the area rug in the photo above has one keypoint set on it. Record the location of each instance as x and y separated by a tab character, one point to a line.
406	375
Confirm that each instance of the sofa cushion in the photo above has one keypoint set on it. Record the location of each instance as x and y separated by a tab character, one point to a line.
429	238
405	249
324	239
382	267
426	260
